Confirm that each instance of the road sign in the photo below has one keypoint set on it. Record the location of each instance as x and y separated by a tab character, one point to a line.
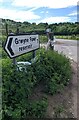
48	30
19	44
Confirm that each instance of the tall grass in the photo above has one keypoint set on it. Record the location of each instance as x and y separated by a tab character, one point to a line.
72	37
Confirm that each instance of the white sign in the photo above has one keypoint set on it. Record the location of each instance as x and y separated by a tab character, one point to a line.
48	30
19	44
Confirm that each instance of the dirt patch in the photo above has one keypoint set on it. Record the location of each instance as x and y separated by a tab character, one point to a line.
63	104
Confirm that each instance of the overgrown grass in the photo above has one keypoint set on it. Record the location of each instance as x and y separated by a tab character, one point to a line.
73	37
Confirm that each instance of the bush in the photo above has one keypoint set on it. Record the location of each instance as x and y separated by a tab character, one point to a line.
34	109
25	57
17	87
53	69
37	109
43	38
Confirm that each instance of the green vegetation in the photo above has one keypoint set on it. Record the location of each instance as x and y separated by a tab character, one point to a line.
58	110
61	29
43	39
72	37
17	87
51	68
54	69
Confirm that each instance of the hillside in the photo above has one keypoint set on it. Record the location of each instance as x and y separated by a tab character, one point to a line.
58	29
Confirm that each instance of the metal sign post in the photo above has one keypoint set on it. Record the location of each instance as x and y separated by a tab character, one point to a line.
14	59
34	53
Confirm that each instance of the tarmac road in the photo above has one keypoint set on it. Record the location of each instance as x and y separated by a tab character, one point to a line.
68	47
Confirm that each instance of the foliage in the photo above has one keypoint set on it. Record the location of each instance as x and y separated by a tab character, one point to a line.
66	28
35	109
17	87
24	81
58	110
43	38
72	37
53	69
25	57
2	39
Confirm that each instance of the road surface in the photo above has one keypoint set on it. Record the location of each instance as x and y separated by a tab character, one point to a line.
68	47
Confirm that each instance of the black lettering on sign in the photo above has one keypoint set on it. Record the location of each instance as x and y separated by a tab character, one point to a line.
16	40
32	39
25	47
21	41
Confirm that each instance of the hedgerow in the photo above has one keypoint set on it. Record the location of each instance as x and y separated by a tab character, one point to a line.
53	69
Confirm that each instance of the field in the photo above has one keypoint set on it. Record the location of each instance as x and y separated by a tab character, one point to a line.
73	37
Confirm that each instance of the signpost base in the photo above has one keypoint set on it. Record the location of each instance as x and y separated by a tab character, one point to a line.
14	61
34	53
